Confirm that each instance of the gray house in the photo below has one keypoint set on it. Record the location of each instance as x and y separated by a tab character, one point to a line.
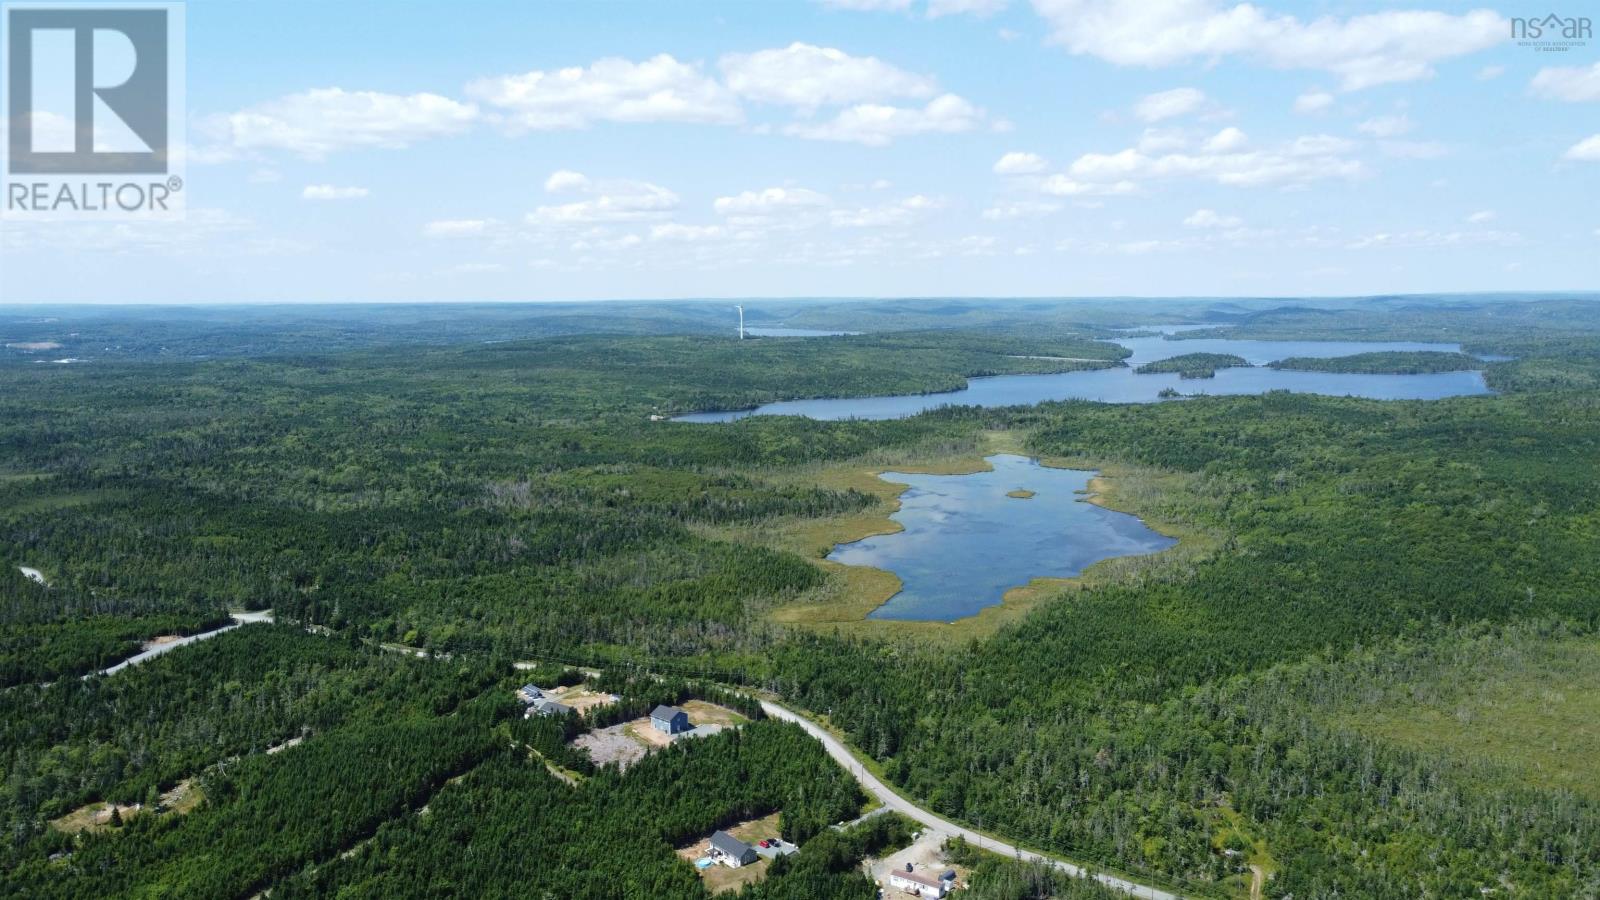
670	719
543	707
529	693
730	851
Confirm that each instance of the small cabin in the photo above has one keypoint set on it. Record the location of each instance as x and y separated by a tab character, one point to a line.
670	720
730	851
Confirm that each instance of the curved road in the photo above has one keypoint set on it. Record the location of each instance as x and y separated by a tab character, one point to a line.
892	800
239	620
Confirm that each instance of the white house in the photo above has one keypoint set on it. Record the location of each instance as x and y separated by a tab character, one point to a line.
918	884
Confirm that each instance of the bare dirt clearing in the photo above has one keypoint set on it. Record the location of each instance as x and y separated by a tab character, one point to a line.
612	745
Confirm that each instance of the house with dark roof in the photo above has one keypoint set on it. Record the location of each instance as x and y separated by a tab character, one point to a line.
730	851
670	720
529	693
543	707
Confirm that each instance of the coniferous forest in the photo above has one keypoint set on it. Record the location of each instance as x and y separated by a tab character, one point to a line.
1368	673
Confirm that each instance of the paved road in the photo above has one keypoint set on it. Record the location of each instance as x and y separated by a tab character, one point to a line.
239	619
892	800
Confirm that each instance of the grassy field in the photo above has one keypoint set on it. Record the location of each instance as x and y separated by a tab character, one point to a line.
1531	708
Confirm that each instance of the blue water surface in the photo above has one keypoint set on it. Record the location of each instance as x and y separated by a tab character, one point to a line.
965	542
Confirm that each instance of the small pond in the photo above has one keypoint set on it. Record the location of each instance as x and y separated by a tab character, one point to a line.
966	542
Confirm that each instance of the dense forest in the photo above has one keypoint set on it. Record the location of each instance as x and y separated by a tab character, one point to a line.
488	503
1193	365
1412	362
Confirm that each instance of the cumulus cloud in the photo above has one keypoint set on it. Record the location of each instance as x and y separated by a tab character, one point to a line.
1427	238
1385	126
807	76
980	8
876	125
675	231
318	122
1021	209
1226	141
1586	150
1205	218
658	89
1572	84
1481	216
1313	101
1018	163
1169	104
444	228
1303	160
752	206
868	5
1363	50
332	192
566	180
907	211
606	201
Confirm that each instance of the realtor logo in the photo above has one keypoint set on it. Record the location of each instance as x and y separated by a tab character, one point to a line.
93	101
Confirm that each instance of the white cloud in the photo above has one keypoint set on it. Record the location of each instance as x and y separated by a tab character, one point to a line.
1385	126
1586	150
1490	73
1573	84
658	89
1481	216
1062	186
1018	163
876	125
980	8
332	192
675	231
751	206
318	122
903	213
476	268
1313	101
868	5
1205	218
1226	141
1303	160
566	180
1162	140
457	227
1427	238
1021	209
1363	50
808	76
608	201
1169	104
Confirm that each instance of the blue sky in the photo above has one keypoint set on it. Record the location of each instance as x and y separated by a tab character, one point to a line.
534	151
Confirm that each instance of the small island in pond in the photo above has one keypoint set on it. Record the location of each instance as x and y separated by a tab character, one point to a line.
1193	365
1020	494
1413	362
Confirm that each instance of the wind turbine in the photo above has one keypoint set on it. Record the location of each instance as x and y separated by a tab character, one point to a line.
741	321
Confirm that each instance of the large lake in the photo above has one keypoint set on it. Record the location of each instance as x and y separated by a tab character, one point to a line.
1122	385
966	542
